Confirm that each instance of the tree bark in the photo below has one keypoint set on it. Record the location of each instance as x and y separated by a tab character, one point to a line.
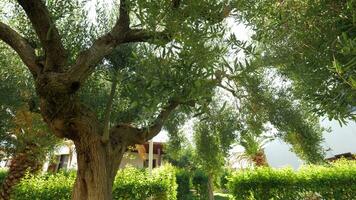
98	161
97	167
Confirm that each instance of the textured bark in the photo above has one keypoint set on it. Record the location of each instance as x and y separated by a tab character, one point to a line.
97	167
47	32
21	46
260	159
20	164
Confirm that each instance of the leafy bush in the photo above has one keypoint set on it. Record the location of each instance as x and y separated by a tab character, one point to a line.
224	179
337	181
135	184
45	187
130	183
3	173
200	184
183	181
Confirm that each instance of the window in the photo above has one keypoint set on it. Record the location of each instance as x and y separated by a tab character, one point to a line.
145	163
63	162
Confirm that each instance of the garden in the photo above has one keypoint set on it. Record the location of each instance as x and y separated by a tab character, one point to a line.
330	181
100	79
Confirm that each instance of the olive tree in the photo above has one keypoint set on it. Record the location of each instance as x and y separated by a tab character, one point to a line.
176	66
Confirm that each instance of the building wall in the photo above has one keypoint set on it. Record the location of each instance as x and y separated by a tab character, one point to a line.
130	159
133	159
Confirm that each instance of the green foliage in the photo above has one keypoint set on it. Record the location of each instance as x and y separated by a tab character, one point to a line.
219	196
200	184
46	187
183	181
130	183
185	158
336	181
312	43
3	173
224	179
20	124
266	104
213	136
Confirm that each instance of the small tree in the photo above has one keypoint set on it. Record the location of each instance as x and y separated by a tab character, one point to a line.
213	136
29	145
253	149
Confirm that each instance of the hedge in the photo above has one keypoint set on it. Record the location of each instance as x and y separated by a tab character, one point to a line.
336	181
130	183
183	180
187	180
200	184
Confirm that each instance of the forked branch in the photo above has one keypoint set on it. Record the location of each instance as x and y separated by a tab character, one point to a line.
46	31
104	45
21	46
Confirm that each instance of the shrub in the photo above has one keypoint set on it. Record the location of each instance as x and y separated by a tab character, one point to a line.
337	181
183	181
130	183
224	179
3	173
200	184
136	184
46	187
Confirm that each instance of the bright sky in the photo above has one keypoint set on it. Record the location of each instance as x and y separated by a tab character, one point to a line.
339	140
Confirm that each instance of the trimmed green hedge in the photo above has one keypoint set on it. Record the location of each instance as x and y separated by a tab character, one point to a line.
135	184
130	183
337	181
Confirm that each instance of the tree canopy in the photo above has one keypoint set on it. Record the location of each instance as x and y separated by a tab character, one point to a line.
312	44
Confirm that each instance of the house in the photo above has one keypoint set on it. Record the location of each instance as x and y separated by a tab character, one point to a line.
348	156
65	157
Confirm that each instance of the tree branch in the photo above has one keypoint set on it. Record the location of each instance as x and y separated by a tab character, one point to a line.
152	130
103	46
106	132
21	46
47	32
133	135
142	35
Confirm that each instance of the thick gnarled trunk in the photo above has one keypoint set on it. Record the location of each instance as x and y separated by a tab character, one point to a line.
97	160
97	167
98	157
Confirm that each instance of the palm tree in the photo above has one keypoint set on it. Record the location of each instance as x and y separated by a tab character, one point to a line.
254	149
30	145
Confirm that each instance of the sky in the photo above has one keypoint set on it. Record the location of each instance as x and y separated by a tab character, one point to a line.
339	140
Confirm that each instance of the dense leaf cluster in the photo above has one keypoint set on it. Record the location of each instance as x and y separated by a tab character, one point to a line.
191	179
312	43
328	182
